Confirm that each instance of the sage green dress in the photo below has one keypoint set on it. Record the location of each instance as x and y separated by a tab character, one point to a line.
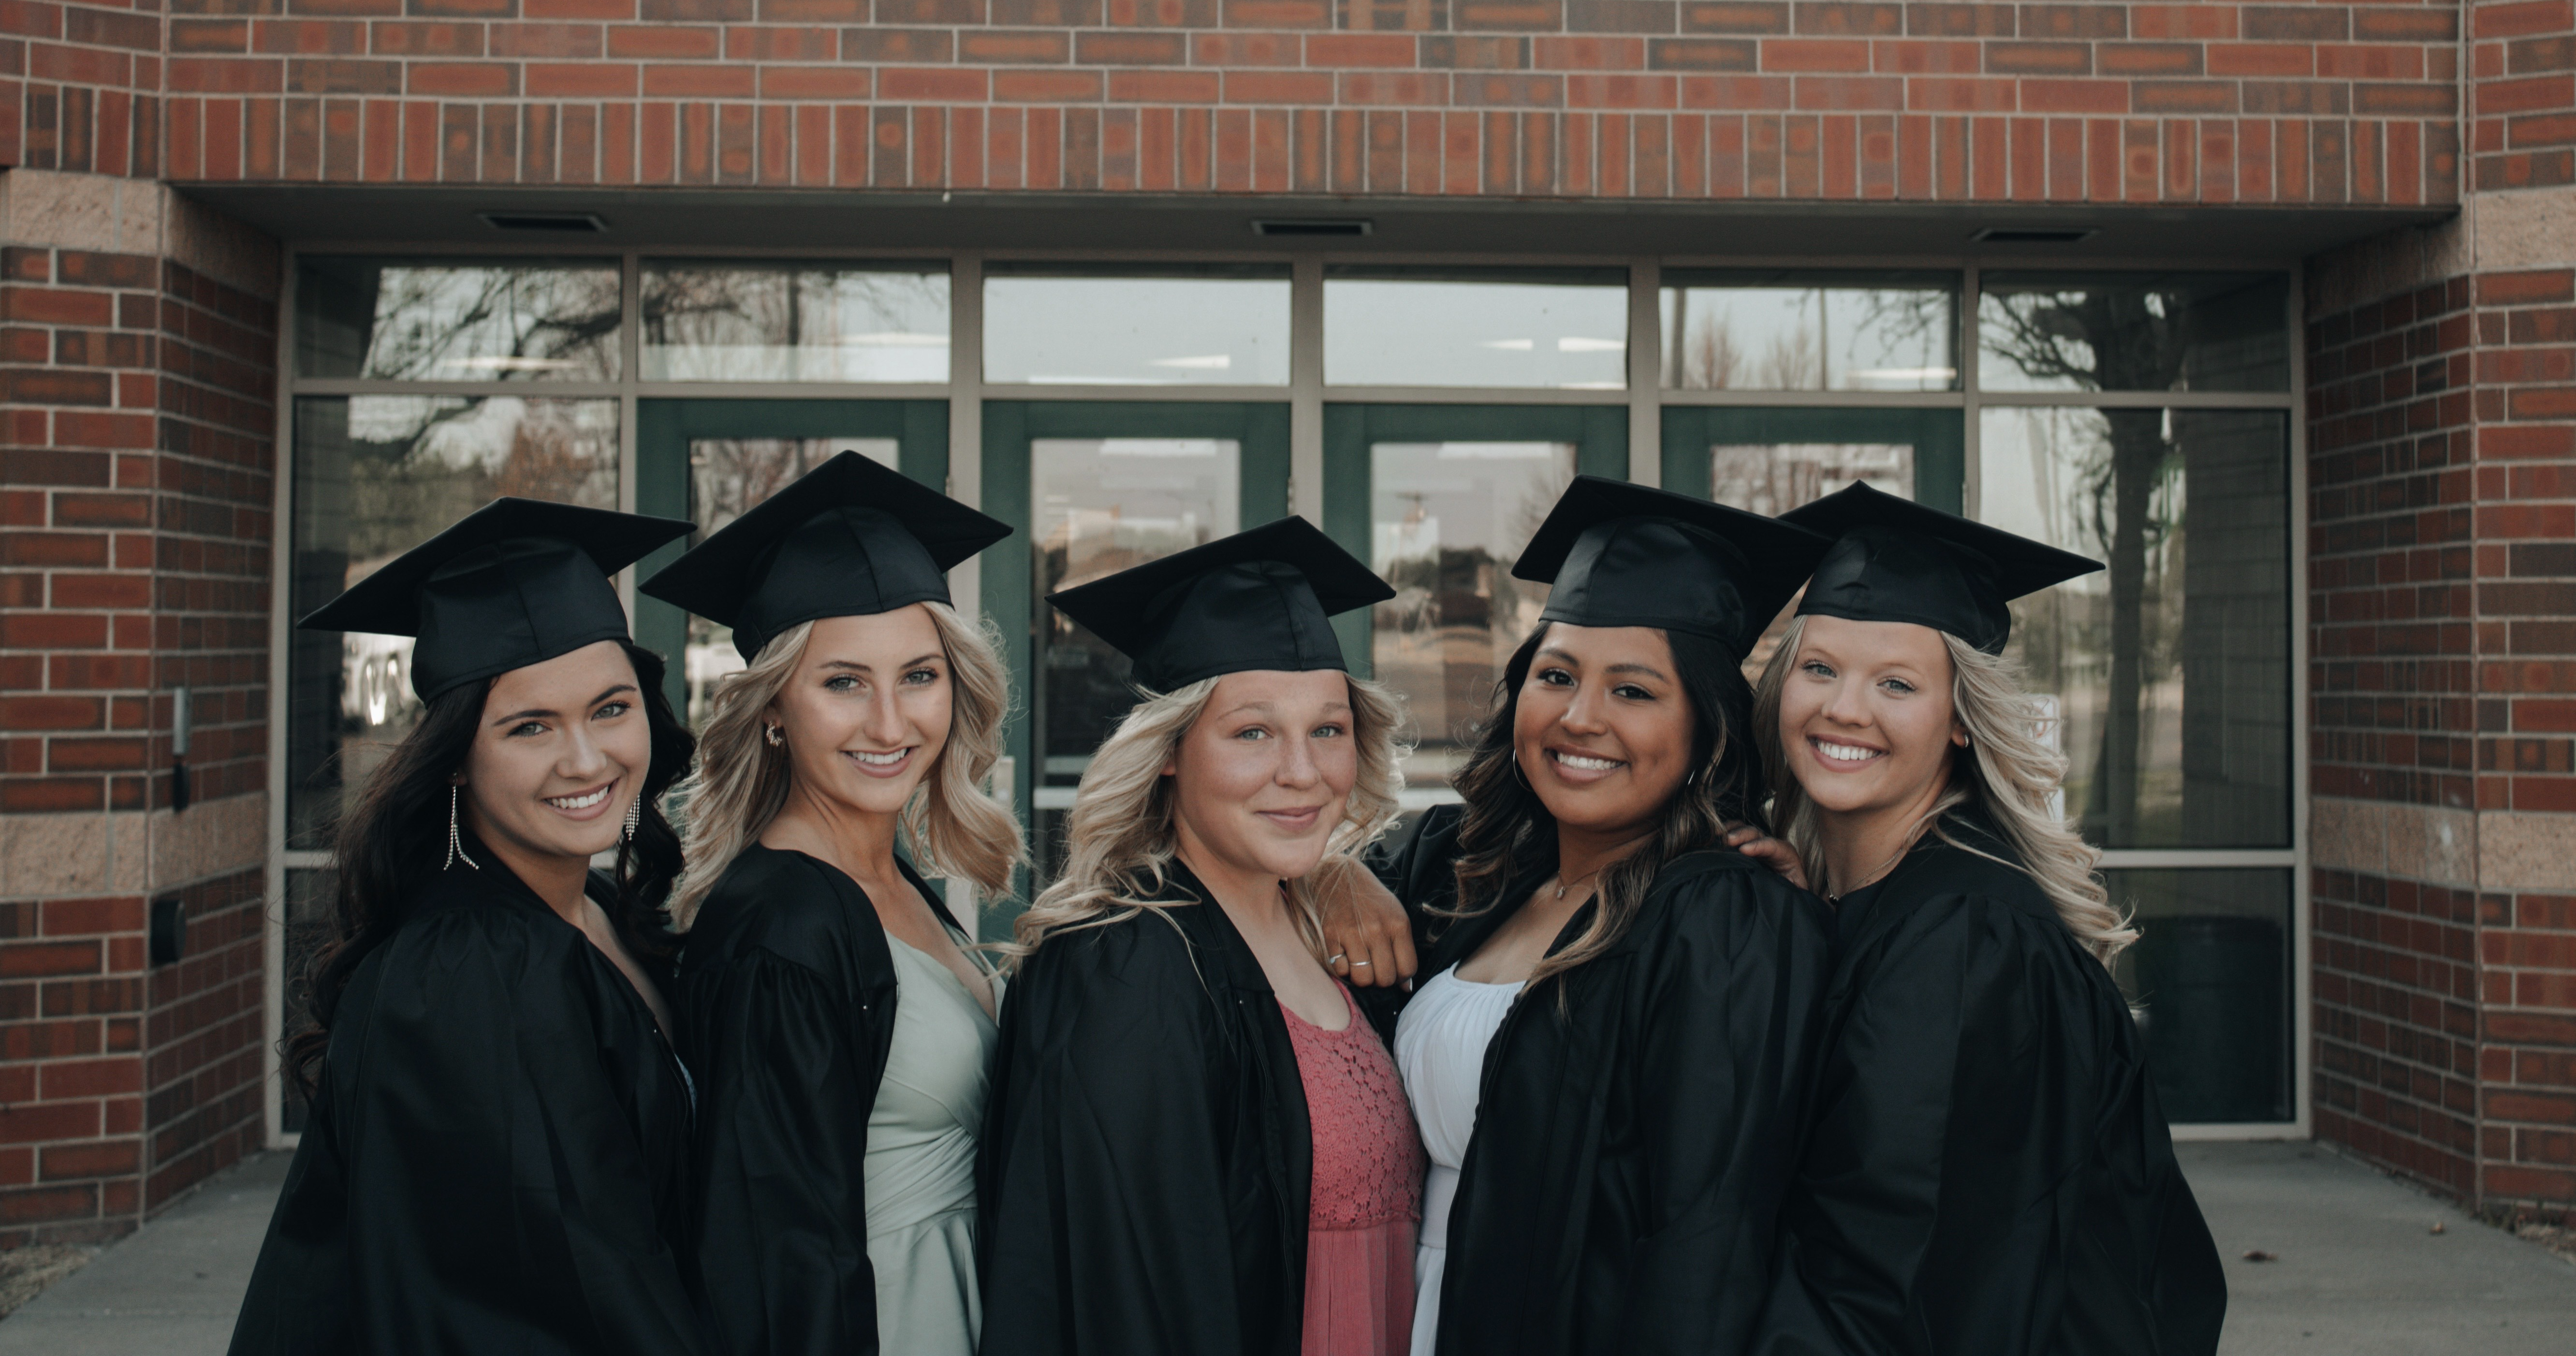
920	1166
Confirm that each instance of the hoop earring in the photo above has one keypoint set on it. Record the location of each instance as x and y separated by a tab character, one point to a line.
771	734
1520	776
455	849
634	813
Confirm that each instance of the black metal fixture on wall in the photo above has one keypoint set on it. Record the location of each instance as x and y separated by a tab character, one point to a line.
169	934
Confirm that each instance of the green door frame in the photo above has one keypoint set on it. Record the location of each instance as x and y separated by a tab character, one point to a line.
1259	430
1599	434
665	428
1938	437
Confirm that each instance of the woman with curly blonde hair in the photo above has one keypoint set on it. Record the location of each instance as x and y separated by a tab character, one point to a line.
839	1021
1985	1168
1197	1145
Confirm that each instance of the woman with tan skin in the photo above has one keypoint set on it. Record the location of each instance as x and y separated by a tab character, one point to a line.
1609	1055
1197	1146
1985	1171
839	1020
496	1155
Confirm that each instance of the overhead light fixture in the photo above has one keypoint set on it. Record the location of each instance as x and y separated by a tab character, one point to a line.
1312	226
579	223
2034	235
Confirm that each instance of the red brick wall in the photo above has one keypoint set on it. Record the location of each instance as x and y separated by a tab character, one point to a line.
137	469
79	86
2523	68
1724	99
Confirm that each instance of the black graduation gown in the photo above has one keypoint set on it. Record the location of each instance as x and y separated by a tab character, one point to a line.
786	1008
1986	1172
1146	1158
496	1160
1638	1113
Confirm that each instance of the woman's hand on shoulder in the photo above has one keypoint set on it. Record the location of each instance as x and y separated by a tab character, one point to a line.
1367	938
1769	851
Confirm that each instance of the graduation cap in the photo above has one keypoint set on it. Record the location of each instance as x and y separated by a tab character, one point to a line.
516	582
1895	560
1626	555
1256	600
849	539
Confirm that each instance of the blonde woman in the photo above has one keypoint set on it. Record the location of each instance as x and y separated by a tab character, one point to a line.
838	1020
1197	1146
1986	1171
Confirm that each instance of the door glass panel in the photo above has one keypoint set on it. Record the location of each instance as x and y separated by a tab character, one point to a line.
1065	326
734	322
726	477
2172	667
1806	332
1446	522
2211	977
1562	328
2133	332
1102	505
1773	478
374	477
487	320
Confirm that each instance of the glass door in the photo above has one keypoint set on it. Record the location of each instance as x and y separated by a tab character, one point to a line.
1440	499
1099	486
708	460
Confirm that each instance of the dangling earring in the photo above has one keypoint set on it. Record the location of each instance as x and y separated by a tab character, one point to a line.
1520	776
634	813
770	733
455	849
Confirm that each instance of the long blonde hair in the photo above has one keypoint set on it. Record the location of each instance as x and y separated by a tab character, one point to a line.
1121	834
2007	770
950	825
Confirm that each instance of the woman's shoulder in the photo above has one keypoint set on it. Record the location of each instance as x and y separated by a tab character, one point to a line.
1720	889
783	902
1965	857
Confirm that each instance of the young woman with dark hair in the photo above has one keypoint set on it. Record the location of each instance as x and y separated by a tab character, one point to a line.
496	1155
1608	1058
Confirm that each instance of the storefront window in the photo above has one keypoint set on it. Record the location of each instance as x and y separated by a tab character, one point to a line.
1560	328
2133	332
456	320
374	477
1060	325
2171	669
1727	330
707	321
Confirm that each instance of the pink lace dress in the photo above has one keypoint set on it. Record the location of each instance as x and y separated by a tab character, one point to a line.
1367	1191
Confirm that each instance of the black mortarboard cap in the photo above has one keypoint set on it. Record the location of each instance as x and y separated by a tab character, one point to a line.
849	539
1260	599
1626	555
1895	560
516	582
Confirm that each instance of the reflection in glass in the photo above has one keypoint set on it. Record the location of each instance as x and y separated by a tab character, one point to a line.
2133	332
1446	522
309	926
1068	326
1563	328
1773	478
484	320
374	477
726	477
2211	975
706	321
2172	667
1102	505
1728	331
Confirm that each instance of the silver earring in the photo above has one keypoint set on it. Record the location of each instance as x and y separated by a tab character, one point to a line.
1520	776
770	733
634	813
455	849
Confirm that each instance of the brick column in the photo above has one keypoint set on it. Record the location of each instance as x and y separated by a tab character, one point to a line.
137	463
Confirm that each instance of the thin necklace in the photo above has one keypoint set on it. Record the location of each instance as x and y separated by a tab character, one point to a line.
1563	885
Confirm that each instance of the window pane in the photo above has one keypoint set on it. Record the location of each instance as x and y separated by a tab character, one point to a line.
1564	328
726	477
1773	478
1810	332
2211	971
824	322
2133	332
374	477
2172	667
309	927
487	320
1071	327
1446	522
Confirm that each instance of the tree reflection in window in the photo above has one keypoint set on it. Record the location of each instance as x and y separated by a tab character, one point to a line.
778	322
486	320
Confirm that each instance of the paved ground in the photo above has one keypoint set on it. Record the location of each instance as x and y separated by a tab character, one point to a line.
2359	1271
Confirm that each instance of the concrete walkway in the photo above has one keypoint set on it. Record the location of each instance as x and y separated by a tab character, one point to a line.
2359	1270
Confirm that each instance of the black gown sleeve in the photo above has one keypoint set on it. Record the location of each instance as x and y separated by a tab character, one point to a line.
782	1141
496	1198
1957	1103
1107	1221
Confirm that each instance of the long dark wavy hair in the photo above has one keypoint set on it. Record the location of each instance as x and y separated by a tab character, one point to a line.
394	835
1508	833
